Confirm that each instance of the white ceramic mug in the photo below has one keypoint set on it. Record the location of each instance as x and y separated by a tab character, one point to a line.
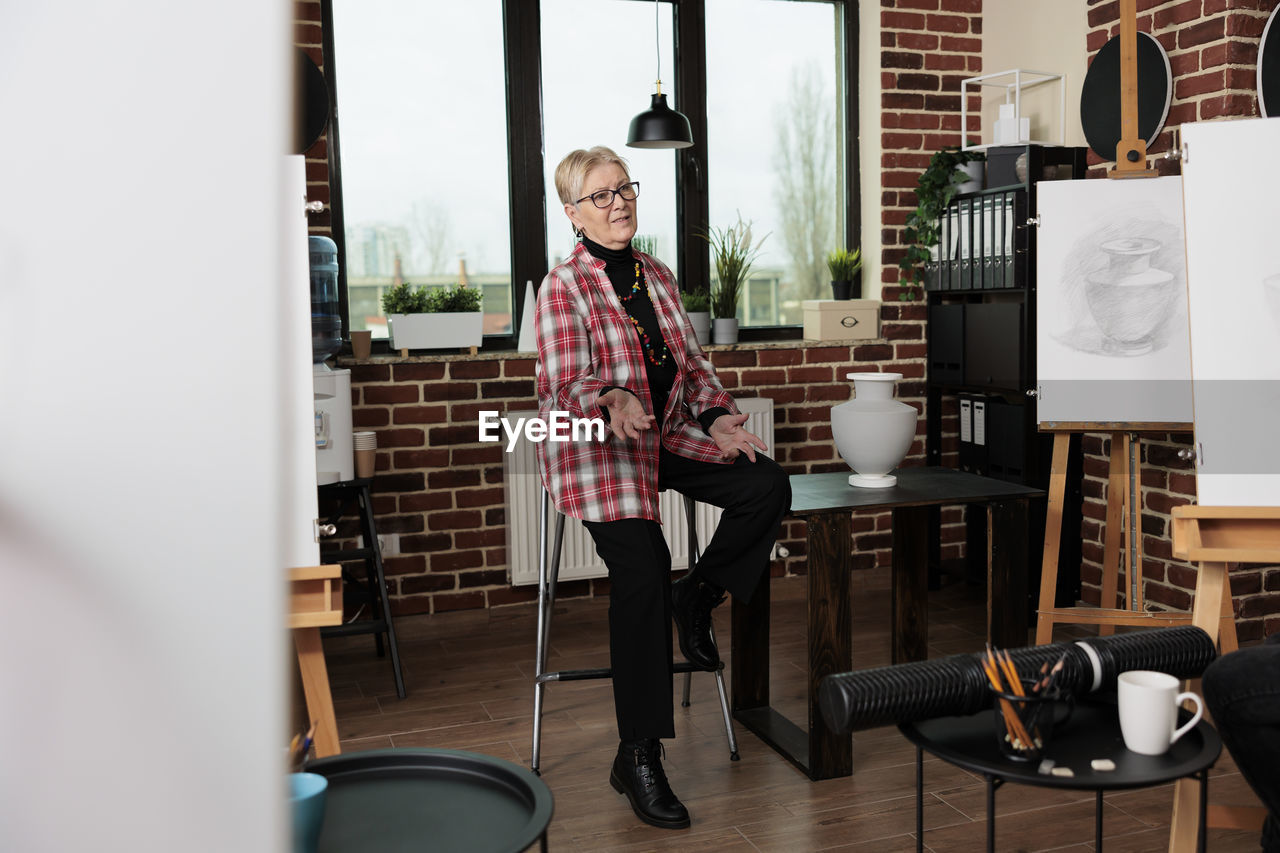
1149	711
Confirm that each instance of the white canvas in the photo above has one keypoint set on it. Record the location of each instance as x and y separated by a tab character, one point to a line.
1111	322
1233	284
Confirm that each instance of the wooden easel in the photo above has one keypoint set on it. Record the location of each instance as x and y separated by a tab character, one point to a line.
1124	480
1131	150
315	600
1124	514
1215	536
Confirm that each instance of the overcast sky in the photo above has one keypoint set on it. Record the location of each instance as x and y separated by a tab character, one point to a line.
422	110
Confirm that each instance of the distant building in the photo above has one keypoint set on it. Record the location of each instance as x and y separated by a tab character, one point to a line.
372	249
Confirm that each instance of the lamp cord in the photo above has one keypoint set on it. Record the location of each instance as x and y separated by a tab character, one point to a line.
657	46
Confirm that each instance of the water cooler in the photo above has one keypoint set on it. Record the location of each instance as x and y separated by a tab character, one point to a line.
332	388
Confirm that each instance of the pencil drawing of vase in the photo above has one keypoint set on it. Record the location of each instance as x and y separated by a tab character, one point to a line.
1271	289
1129	299
873	431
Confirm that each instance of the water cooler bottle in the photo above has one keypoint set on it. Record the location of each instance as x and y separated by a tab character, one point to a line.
334	457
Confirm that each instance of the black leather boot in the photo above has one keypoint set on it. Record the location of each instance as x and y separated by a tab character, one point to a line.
692	601
637	773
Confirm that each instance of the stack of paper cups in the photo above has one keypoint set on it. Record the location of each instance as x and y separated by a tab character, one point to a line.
366	444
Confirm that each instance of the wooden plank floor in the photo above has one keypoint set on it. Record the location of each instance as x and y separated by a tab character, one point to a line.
469	679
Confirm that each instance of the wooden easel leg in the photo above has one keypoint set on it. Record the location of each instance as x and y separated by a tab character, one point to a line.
1207	614
1052	537
315	684
1113	536
1137	597
1227	641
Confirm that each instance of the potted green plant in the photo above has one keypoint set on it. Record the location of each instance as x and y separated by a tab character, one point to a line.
846	273
438	318
935	189
697	304
733	254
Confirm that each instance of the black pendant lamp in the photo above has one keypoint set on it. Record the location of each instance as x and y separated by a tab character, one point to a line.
659	126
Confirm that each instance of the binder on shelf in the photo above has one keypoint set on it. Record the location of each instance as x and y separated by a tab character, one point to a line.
988	242
973	433
1010	240
944	251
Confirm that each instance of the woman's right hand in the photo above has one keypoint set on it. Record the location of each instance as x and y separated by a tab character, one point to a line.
626	416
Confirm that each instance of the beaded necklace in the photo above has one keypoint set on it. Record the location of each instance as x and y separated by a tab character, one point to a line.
654	359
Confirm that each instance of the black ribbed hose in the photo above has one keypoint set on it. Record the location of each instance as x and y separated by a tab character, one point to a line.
956	685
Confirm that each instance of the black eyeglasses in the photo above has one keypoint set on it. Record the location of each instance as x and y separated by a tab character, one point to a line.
604	198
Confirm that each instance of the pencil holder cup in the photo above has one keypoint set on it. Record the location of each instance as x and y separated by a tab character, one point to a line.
1024	725
306	802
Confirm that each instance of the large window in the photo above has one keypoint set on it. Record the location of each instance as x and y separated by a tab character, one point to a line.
598	67
773	145
424	152
454	116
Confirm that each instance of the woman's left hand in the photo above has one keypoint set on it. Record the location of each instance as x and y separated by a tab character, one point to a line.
732	439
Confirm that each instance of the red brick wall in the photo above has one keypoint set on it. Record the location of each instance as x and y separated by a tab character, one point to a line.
926	48
441	489
1213	51
307	33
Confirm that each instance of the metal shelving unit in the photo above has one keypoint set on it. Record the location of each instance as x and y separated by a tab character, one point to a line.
981	302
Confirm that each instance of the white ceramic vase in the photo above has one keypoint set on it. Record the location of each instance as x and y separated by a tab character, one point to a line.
873	431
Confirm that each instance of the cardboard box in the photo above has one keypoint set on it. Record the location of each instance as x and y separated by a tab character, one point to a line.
841	319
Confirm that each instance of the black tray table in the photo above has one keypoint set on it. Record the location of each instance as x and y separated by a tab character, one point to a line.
1093	731
402	800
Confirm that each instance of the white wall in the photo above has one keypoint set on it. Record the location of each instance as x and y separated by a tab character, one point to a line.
1037	35
142	464
869	150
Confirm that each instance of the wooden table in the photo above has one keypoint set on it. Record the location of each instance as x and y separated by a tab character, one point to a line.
825	501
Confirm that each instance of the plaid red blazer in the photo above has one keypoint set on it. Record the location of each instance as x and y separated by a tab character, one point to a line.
586	343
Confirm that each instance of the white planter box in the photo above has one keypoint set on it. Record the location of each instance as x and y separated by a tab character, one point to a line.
436	331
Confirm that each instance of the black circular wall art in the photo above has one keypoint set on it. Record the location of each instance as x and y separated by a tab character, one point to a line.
310	103
1100	95
1269	67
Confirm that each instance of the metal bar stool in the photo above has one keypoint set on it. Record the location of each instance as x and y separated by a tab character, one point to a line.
548	574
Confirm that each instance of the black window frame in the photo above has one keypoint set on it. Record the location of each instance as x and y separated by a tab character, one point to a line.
522	35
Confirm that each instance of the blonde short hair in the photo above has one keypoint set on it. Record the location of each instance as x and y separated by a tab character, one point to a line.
574	168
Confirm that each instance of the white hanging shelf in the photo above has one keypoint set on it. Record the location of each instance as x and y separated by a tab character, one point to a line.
1013	82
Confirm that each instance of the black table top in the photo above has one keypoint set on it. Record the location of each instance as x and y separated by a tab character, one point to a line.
813	494
392	800
1093	731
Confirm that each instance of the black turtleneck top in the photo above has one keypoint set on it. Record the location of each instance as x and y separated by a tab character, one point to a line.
620	267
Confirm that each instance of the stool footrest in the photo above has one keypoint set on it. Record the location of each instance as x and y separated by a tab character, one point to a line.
606	672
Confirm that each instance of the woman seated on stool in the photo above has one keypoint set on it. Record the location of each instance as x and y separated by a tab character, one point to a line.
614	342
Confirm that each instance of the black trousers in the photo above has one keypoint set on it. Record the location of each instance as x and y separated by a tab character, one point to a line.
754	497
1242	692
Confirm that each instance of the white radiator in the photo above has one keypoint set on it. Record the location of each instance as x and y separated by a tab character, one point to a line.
578	555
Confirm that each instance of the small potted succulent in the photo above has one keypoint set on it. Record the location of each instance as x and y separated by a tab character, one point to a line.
440	318
846	273
733	253
697	304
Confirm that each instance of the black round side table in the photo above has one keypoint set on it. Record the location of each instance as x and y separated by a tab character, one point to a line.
409	799
1092	732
